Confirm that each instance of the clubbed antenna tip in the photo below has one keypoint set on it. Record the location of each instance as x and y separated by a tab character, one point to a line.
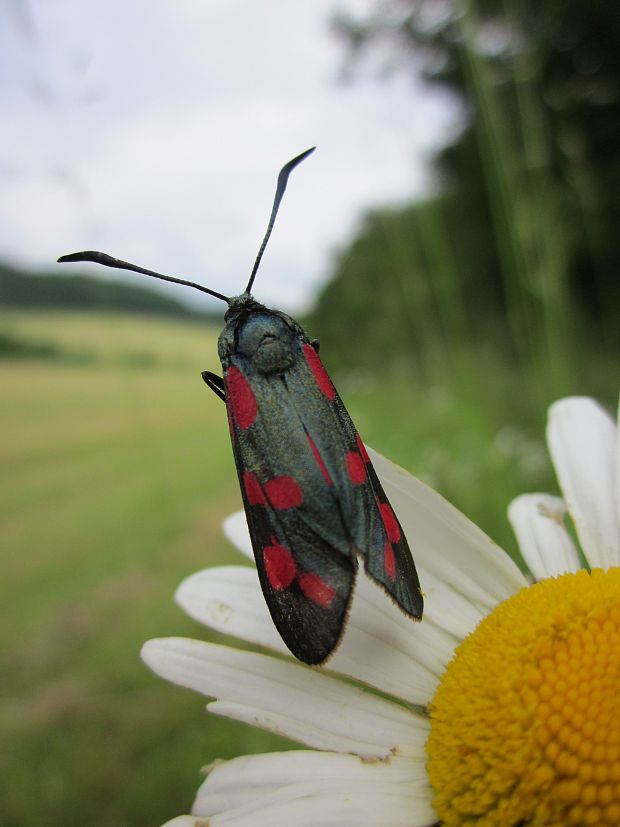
109	261
280	188
117	263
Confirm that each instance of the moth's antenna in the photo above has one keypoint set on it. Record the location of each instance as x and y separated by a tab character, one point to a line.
281	186
109	261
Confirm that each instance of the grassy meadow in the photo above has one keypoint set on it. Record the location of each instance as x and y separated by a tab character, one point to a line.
117	475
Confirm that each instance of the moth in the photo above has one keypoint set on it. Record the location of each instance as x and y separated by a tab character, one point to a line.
313	501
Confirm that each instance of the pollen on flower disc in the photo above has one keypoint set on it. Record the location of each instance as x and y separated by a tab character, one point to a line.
525	723
320	374
279	565
316	589
240	398
283	492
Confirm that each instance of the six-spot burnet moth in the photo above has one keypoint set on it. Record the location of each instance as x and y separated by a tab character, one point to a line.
313	501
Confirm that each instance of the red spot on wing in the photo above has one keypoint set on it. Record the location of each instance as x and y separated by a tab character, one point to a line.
389	561
355	468
240	397
390	522
253	490
319	460
320	374
316	589
279	565
362	448
283	492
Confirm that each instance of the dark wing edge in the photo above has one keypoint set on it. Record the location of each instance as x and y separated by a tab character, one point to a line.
404	587
307	584
374	530
379	537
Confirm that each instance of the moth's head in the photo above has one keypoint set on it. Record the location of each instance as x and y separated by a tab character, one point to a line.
241	306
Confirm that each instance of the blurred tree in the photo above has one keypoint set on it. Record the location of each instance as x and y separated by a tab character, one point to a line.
522	235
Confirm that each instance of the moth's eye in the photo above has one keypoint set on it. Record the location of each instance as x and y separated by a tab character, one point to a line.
315	344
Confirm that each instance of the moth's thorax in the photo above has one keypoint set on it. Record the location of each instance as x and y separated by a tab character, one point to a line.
267	340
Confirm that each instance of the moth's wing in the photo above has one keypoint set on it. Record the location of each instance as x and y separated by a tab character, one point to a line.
306	583
302	548
391	564
369	519
313	503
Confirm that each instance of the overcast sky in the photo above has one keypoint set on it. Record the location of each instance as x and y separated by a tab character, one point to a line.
154	131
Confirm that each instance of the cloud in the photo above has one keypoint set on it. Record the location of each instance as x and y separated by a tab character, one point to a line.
166	124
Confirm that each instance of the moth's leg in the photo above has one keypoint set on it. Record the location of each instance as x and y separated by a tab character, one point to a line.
216	383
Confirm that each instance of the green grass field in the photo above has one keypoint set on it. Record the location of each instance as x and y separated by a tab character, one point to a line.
116	478
117	475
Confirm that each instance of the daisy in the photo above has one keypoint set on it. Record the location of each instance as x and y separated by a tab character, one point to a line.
500	708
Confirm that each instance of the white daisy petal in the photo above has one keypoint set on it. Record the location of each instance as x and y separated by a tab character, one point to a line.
448	608
186	821
288	698
381	646
582	442
264	774
546	545
236	530
445	543
229	600
355	808
289	788
386	649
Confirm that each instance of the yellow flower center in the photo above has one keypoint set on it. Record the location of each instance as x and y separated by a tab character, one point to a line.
525	725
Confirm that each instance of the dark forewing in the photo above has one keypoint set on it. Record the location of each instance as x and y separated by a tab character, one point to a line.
313	502
391	565
306	584
302	547
369	519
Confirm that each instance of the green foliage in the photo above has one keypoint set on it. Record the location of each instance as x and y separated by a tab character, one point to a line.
13	346
518	246
406	282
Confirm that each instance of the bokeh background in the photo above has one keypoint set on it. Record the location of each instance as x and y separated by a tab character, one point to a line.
453	243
